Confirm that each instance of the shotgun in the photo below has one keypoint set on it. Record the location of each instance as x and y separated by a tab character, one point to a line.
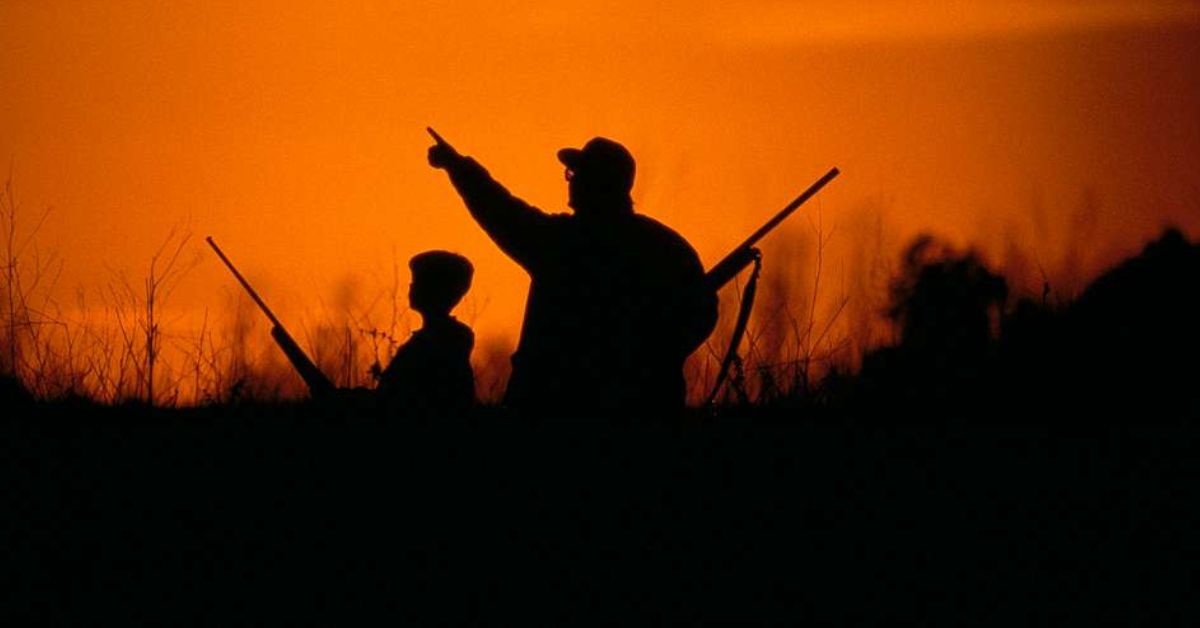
318	384
743	255
734	263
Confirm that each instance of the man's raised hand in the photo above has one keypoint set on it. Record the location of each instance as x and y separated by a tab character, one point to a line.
441	154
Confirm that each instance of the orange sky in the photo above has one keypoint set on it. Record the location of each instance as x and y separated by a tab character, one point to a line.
293	132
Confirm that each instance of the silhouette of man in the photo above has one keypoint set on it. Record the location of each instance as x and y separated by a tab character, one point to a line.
617	300
432	370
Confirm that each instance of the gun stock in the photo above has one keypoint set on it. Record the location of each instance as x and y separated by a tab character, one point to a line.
318	384
744	254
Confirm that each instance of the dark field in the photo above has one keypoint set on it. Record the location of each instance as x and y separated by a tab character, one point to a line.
1044	475
287	513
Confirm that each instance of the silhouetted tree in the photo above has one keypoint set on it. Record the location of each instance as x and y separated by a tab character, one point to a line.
943	303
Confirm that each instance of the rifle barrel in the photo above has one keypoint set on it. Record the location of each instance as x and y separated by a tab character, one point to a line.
318	384
732	264
787	211
245	284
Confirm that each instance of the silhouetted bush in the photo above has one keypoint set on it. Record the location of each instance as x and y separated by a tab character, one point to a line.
1124	351
1135	331
944	303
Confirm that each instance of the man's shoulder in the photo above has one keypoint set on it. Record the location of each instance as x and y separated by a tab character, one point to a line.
664	238
656	228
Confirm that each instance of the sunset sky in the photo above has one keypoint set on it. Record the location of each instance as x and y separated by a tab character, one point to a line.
293	132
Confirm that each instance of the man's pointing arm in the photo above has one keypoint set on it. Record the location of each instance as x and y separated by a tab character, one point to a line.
519	229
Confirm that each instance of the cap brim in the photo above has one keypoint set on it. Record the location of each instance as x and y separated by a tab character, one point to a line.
570	157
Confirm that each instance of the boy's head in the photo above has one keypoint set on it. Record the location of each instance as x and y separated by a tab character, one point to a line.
439	281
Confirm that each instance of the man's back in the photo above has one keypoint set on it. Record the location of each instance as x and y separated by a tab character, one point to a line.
613	310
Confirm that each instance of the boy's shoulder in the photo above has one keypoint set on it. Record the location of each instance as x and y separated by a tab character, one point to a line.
462	331
448	332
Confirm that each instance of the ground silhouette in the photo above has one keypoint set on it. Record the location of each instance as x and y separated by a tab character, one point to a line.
985	511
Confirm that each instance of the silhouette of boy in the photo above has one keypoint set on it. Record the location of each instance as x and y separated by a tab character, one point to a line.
432	371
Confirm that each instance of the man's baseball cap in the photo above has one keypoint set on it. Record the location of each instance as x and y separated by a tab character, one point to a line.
603	159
